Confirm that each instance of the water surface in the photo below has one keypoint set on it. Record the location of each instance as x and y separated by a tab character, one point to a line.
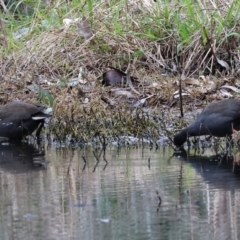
138	194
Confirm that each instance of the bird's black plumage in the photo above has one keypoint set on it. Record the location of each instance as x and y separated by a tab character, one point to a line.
19	119
217	119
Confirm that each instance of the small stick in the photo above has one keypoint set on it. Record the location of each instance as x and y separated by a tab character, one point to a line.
149	159
95	155
159	198
180	96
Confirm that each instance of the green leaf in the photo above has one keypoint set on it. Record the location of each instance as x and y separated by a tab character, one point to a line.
44	96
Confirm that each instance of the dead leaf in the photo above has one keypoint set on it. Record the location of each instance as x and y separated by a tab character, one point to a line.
191	81
69	21
225	93
120	92
131	85
182	76
176	94
108	101
232	88
223	63
141	102
210	86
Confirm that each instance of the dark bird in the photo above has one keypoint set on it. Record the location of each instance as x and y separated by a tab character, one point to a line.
218	119
19	119
116	77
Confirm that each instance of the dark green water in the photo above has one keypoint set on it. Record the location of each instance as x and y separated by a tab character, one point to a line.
66	199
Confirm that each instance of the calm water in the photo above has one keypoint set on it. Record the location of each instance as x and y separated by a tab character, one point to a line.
139	194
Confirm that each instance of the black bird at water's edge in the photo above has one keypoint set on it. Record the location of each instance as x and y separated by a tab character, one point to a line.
219	119
19	119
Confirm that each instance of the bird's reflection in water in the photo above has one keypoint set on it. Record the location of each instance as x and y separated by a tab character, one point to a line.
220	170
19	157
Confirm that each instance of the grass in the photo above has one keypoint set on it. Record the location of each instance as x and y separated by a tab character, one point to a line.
158	41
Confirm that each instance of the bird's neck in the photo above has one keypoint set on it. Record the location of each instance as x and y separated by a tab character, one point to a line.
181	137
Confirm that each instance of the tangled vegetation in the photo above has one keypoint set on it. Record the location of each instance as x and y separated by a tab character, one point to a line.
56	52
